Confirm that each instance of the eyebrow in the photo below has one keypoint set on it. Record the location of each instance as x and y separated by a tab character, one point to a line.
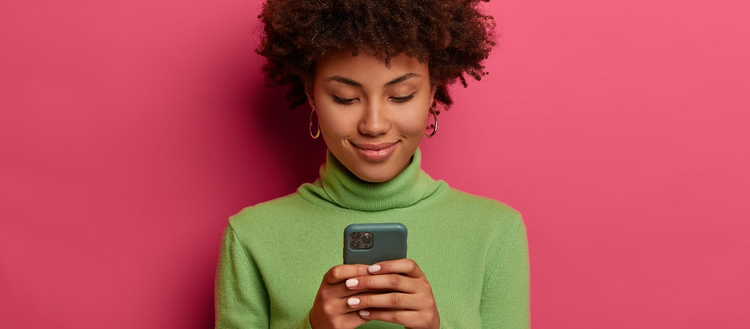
353	83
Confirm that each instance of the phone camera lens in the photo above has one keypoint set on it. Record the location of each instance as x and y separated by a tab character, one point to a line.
355	236
354	244
367	239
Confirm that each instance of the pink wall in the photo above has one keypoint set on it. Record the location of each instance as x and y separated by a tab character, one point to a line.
130	131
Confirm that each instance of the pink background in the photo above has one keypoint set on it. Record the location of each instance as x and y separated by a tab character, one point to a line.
130	131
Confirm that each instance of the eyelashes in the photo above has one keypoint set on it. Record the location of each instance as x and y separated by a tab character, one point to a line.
402	99
345	101
395	99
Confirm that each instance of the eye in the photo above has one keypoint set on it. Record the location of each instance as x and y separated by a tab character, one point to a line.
345	101
402	99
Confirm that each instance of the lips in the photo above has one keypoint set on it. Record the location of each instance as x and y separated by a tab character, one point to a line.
375	152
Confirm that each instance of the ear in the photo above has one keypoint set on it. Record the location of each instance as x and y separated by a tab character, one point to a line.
309	93
433	89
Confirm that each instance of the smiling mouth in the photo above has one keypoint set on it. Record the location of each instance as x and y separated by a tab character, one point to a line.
375	152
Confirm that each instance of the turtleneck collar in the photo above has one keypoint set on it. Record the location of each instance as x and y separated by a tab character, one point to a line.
337	185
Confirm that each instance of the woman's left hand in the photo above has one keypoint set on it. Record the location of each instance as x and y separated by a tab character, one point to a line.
397	291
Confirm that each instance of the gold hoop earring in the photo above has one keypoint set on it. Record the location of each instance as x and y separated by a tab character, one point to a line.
309	129
434	126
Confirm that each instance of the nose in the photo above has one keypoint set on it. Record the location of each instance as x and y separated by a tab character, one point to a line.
375	120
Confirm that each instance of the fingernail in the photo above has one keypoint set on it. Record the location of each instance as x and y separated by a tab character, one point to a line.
364	313
354	301
373	268
352	283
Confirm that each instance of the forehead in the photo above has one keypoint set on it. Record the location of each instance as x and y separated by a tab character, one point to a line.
367	68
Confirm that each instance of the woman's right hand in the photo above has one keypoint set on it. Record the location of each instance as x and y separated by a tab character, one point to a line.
330	309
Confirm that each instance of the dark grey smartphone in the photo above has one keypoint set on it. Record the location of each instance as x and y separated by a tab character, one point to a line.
376	242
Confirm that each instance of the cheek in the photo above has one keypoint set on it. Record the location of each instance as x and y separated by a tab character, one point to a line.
414	123
334	125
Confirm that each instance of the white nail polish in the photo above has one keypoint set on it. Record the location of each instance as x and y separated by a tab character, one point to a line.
373	268
364	312
354	301
352	283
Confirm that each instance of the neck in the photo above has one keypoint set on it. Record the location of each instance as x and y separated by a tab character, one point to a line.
339	186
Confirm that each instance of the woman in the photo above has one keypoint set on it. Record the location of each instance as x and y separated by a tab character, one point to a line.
373	73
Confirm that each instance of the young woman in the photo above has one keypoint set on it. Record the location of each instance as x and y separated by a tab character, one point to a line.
374	74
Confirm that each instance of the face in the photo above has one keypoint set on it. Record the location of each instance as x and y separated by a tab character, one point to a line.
372	117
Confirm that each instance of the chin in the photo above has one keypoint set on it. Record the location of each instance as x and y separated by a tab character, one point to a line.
374	177
381	172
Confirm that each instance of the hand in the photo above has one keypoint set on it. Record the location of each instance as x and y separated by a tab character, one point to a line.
408	298
330	309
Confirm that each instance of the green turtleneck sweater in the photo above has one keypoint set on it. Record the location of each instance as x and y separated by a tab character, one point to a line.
472	250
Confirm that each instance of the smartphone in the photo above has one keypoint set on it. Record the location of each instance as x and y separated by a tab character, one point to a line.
371	243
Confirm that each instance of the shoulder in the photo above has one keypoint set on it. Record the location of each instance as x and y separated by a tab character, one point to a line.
479	205
269	214
475	214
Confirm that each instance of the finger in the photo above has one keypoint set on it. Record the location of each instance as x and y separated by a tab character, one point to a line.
346	306
340	273
337	316
394	300
387	282
339	290
400	266
353	320
406	318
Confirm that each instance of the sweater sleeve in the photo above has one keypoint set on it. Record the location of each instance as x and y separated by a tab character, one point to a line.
241	296
505	298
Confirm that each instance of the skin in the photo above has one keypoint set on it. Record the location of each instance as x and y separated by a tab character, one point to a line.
372	118
367	110
351	295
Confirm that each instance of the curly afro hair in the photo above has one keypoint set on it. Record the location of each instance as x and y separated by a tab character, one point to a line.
452	36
